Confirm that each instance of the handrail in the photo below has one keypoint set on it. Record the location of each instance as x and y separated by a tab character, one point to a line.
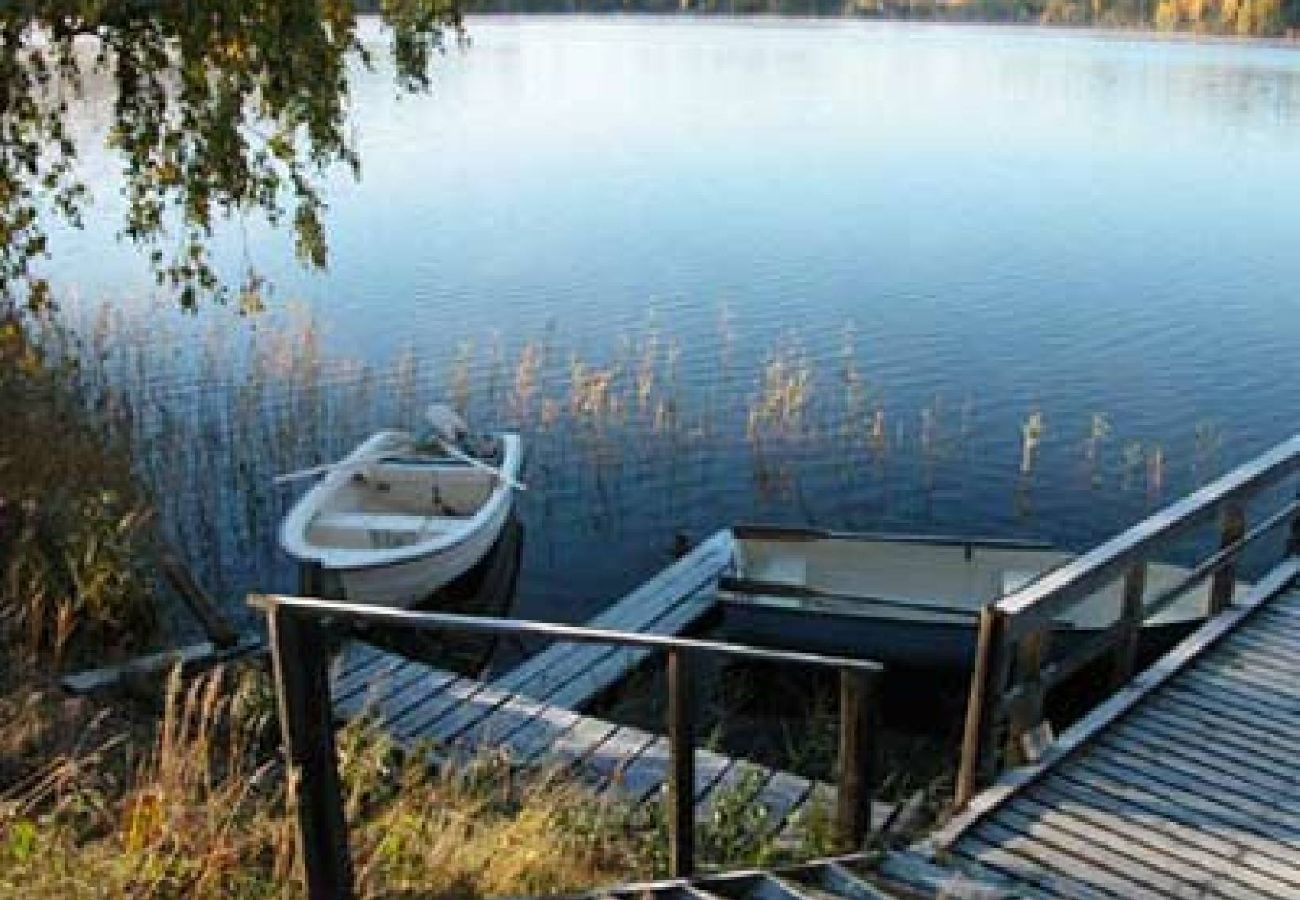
300	630
1054	592
436	621
1013	671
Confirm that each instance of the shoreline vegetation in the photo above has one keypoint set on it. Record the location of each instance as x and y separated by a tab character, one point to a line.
178	790
1275	22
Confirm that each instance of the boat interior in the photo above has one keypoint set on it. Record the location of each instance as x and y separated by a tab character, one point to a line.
398	502
915	579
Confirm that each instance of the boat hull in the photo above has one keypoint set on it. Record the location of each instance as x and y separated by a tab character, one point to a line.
912	600
387	526
906	643
408	583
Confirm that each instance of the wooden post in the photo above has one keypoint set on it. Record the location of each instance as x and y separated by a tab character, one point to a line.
300	661
1233	529
857	761
975	742
681	765
219	631
310	580
1293	537
1030	655
1130	620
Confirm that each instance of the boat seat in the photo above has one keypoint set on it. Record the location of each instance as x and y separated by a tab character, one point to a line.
397	522
782	570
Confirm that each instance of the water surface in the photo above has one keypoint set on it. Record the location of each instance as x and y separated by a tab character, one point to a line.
946	230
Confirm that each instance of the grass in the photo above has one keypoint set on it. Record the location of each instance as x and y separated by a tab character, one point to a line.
195	805
75	527
184	794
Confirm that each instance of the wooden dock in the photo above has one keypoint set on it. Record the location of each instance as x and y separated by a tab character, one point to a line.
572	675
533	712
1186	783
460	717
1183	783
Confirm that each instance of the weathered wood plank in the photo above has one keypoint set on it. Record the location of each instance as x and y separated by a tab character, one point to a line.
418	721
1228	787
556	666
1269	777
1242	732
1274	728
608	671
352	664
380	695
1187	818
1130	822
1122	702
1045	866
192	658
1181	792
1150	874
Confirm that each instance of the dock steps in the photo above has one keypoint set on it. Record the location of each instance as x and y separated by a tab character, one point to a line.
896	875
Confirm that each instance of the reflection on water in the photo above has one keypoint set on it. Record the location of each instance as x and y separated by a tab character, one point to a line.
980	280
623	457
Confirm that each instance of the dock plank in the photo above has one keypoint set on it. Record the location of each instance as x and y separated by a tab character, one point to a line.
1186	784
585	670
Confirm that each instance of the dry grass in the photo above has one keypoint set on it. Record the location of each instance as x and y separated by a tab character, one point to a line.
196	805
75	582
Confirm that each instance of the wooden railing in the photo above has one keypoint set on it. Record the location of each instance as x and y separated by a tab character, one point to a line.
301	631
1014	670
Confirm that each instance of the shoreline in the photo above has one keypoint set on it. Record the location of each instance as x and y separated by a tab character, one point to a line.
1134	33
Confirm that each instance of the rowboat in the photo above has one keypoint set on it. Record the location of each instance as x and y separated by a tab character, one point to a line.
399	517
911	600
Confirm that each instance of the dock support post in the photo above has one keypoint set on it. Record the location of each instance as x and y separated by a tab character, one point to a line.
1233	529
857	756
1293	535
1031	654
300	658
985	689
681	765
1125	655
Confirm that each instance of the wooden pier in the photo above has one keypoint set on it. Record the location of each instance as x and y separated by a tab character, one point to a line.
533	712
459	717
1186	783
1183	782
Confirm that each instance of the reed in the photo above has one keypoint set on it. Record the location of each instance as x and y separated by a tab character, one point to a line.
208	430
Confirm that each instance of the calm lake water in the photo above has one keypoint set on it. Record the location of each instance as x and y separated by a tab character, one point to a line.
812	272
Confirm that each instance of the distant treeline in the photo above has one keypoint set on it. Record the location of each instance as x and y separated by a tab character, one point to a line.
1265	18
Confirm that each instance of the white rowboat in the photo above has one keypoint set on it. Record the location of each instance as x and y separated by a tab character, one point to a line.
394	524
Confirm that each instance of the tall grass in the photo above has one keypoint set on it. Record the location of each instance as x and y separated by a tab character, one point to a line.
75	527
197	806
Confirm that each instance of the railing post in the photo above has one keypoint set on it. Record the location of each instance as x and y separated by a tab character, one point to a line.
857	756
1293	536
1031	652
976	743
1130	620
681	765
1232	529
300	660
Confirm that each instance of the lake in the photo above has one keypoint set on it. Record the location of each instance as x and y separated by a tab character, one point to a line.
856	275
